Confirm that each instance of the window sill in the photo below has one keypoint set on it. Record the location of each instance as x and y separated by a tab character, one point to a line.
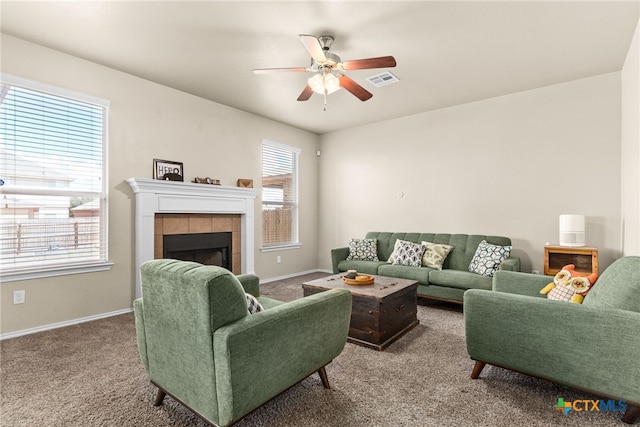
280	247
41	273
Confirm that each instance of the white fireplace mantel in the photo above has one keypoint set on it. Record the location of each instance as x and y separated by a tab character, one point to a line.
156	196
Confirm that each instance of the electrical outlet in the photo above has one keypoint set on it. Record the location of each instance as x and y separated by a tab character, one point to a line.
19	297
278	259
535	271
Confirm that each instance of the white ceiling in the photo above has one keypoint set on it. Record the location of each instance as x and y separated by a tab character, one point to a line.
448	52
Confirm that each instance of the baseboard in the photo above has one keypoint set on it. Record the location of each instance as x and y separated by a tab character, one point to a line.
63	324
289	276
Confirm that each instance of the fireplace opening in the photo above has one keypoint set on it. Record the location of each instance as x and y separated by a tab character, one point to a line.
204	248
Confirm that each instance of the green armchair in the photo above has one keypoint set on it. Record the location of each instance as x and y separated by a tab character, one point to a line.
593	346
199	343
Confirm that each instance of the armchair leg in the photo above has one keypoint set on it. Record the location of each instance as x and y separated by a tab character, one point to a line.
631	414
477	368
323	377
159	398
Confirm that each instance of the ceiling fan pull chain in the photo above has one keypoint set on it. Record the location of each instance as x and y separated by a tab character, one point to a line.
325	100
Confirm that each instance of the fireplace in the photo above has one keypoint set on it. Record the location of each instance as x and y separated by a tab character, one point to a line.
210	239
205	248
222	208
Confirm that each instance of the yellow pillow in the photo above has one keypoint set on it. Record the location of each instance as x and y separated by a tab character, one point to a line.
435	254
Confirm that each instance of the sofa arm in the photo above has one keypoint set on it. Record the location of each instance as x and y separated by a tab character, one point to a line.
520	283
337	255
141	336
510	264
594	348
277	347
250	283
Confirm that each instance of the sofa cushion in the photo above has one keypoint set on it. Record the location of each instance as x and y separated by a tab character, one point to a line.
420	274
363	250
618	286
268	303
365	267
488	257
459	279
435	254
409	254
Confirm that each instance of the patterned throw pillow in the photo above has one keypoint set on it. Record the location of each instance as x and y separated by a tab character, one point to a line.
394	254
435	254
363	250
253	306
409	254
488	257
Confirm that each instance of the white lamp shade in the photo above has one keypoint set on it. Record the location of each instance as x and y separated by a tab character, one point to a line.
572	230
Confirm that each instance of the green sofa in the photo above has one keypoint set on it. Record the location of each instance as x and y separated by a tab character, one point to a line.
448	284
593	346
199	344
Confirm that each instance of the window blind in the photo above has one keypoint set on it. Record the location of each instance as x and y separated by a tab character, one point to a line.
52	179
279	194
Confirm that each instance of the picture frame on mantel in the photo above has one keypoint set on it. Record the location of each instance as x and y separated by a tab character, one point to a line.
167	170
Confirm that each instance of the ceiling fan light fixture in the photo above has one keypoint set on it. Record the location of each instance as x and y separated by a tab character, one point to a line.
330	71
324	83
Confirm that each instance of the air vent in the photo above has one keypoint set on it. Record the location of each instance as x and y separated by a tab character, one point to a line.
383	79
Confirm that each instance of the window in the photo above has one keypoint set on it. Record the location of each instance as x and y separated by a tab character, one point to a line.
279	196
53	212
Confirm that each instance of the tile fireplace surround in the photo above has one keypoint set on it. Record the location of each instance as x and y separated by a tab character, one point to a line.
170	197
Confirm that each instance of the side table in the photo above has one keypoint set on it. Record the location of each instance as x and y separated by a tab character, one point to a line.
585	258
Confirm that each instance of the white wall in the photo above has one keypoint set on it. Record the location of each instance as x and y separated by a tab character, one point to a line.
148	121
504	166
507	165
631	148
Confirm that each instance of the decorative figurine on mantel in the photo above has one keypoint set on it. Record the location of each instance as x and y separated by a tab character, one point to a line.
207	180
245	183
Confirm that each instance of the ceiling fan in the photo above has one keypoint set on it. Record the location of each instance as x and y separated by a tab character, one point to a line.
329	70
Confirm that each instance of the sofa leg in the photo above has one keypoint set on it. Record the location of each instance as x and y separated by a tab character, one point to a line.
631	414
159	398
323	377
477	368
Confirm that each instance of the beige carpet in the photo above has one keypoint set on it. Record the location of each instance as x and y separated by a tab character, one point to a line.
90	375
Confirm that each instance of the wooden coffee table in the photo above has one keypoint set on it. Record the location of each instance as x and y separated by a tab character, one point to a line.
381	313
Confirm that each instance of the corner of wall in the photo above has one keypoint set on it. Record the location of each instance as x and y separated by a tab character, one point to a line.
630	149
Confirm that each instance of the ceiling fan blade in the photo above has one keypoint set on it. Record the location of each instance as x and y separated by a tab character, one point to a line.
312	44
306	94
353	87
363	64
279	70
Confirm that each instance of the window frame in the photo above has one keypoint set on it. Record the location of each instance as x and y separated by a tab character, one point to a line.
66	267
294	243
